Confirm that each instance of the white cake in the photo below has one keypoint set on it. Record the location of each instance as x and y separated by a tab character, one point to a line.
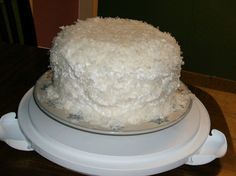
114	72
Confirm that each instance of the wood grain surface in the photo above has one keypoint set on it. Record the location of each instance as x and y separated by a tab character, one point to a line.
21	66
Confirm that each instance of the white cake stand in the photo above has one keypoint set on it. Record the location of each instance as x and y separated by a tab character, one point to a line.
187	142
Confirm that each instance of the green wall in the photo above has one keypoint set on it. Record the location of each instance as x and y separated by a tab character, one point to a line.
205	29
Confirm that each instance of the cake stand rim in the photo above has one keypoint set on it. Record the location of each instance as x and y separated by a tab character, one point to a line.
69	164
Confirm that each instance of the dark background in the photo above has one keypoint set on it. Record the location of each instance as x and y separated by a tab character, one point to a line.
205	29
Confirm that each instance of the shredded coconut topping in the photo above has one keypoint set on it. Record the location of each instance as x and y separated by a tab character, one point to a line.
114	71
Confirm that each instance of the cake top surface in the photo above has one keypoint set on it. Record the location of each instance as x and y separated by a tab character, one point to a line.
116	43
114	30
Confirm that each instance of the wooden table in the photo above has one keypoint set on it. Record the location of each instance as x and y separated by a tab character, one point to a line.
21	66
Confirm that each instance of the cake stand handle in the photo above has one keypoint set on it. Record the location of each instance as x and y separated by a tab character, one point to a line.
11	133
214	147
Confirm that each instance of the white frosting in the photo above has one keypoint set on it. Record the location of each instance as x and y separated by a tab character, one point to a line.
114	71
